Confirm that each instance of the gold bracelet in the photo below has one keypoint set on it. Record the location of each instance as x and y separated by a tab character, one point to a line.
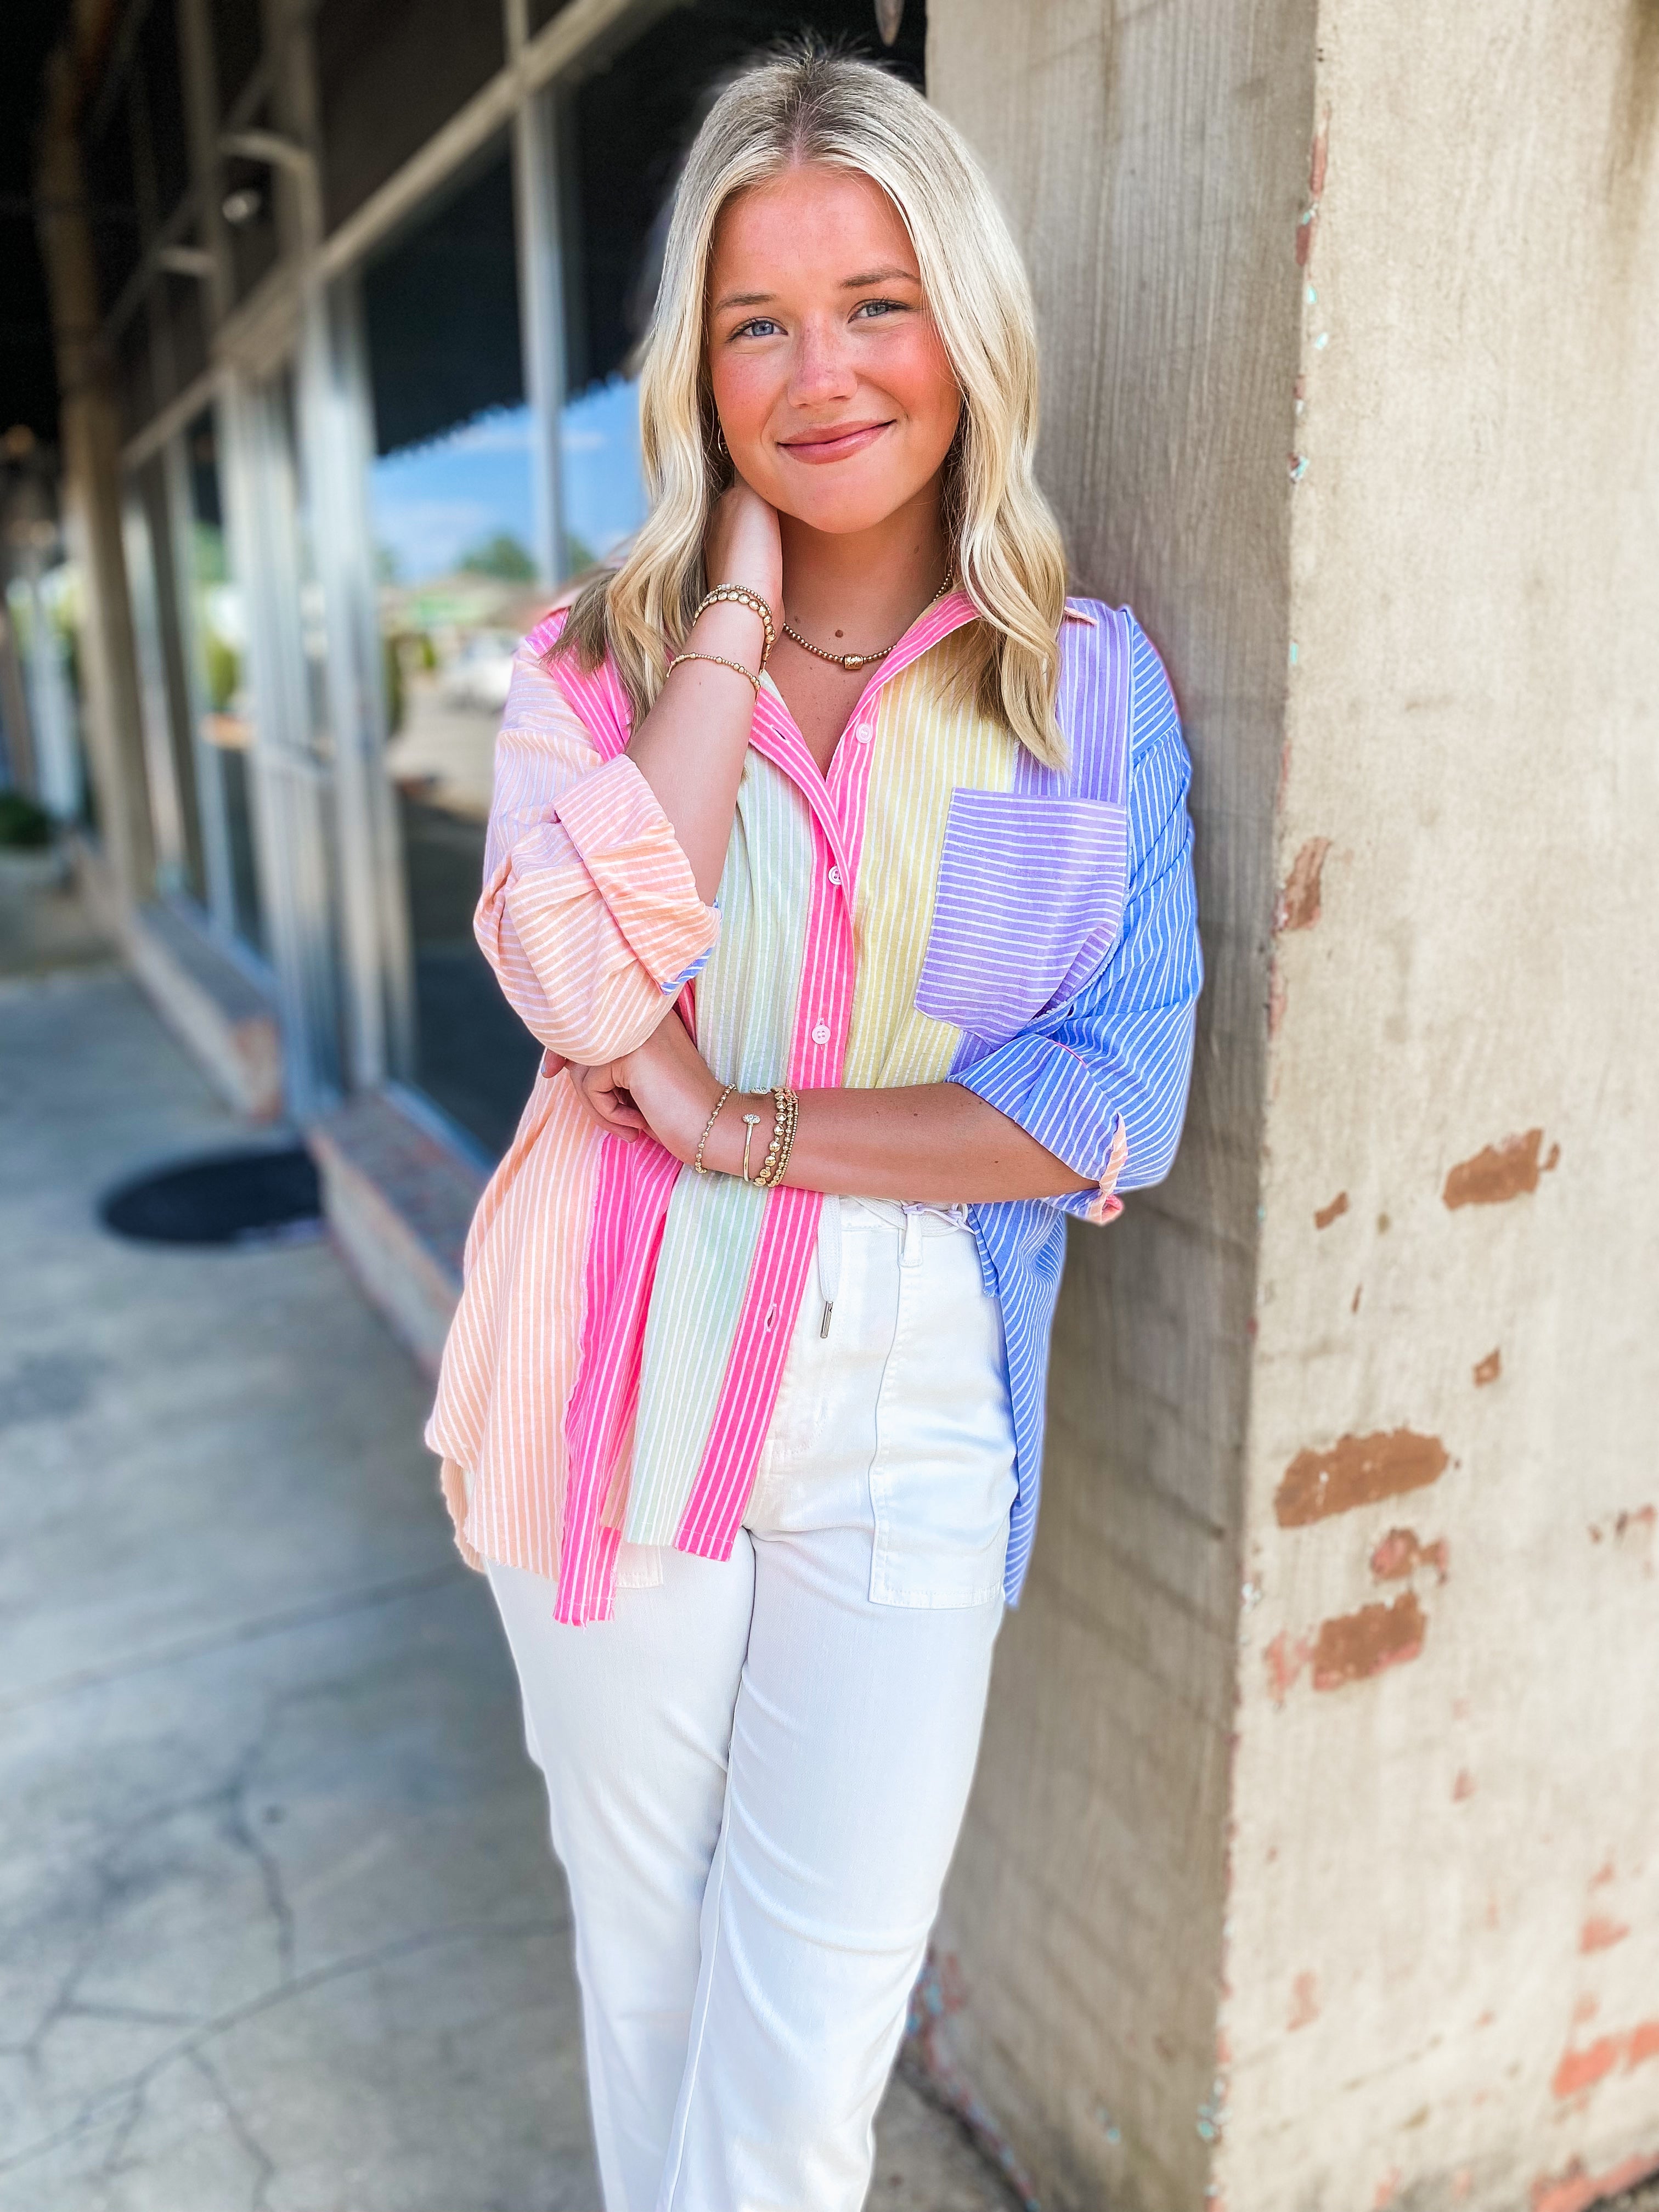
787	1112
720	661
750	1123
740	595
788	1143
697	1161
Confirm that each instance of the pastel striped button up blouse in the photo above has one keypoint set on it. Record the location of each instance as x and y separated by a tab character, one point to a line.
938	907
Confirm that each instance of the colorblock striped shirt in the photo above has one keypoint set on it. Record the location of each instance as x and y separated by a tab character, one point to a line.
938	906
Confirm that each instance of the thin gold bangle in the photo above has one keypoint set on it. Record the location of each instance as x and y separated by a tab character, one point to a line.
751	1122
720	661
697	1161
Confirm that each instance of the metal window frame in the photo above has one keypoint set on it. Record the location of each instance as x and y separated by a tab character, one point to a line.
326	835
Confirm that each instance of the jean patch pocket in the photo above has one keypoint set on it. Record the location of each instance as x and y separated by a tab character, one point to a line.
1029	900
942	1481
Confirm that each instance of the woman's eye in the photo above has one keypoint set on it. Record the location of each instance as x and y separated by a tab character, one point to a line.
762	326
872	307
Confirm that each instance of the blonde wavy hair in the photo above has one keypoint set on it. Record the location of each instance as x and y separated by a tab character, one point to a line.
810	104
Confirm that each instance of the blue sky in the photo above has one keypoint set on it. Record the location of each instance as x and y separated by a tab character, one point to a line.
431	505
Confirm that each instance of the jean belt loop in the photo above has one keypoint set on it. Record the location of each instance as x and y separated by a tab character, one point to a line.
910	1251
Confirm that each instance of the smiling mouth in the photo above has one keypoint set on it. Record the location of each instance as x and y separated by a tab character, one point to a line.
817	447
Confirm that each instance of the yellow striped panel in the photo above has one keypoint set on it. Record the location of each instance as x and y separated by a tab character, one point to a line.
928	744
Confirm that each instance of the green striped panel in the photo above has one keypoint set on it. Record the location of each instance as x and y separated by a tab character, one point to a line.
746	1000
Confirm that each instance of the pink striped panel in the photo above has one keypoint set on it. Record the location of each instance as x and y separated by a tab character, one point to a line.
715	1510
630	1206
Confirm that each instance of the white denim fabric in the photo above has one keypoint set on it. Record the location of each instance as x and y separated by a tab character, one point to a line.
757	1770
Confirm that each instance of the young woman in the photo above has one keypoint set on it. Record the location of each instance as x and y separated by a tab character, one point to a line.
841	865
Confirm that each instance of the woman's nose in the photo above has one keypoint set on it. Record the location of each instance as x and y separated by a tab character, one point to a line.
823	368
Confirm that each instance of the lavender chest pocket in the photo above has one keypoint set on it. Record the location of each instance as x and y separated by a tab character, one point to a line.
1029	901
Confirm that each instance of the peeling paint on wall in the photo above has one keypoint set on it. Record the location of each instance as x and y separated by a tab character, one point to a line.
1356	1471
1358	1644
1489	1368
1298	903
1304	2002
1401	1552
1285	1658
1333	1212
1582	2069
1509	1169
1600	1933
1576	2190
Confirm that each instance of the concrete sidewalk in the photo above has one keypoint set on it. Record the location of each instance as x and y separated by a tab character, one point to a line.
278	1924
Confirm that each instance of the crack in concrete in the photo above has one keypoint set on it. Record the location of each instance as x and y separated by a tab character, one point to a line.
110	2164
239	1632
227	1802
95	2111
264	2165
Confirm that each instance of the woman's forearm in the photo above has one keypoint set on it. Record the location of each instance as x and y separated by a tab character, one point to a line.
930	1143
690	747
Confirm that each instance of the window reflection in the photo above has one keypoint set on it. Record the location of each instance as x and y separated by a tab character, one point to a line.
452	502
219	640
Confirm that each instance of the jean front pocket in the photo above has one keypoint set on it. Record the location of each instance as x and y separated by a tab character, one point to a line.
1028	899
942	1481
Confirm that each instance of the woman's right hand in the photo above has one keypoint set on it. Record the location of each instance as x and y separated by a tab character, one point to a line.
743	545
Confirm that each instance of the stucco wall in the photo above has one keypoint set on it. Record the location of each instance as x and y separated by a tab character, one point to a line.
1153	168
1444	1954
1388	1482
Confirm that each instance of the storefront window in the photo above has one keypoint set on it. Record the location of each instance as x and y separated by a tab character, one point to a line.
168	722
45	607
451	504
218	628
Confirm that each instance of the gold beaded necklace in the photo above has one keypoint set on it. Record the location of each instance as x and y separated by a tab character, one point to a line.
860	659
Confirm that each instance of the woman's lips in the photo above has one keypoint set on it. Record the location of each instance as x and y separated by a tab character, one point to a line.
834	444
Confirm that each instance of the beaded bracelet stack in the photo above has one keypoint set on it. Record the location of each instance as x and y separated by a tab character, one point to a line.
785	1111
738	595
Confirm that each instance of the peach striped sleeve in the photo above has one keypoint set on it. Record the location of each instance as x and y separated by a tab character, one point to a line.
590	915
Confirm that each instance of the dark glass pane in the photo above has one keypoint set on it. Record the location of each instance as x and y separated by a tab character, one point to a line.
185	311
236	41
173	645
137	384
160	73
544	11
110	186
441	313
244	865
450	496
387	77
219	640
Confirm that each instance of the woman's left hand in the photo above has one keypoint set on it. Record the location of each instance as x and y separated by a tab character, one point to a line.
669	1086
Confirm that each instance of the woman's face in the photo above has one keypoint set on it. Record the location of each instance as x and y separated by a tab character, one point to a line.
831	384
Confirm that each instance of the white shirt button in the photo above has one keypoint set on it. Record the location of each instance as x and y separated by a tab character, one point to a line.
835	875
866	732
821	1034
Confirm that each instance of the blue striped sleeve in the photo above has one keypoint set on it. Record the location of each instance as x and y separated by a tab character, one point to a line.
1122	1049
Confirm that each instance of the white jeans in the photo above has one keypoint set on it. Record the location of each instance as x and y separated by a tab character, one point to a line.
756	1770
